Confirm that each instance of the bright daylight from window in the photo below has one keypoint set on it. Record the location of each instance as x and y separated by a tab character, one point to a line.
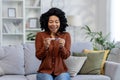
115	20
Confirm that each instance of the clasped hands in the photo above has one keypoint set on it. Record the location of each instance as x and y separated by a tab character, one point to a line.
48	40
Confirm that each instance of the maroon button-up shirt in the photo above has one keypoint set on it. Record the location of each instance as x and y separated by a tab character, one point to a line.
53	58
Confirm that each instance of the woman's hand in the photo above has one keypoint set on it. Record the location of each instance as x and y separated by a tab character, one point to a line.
47	42
61	42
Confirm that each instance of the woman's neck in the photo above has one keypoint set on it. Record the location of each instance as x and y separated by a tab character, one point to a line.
52	35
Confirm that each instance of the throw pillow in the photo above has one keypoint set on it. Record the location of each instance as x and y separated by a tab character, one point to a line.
12	60
93	63
104	58
74	64
31	62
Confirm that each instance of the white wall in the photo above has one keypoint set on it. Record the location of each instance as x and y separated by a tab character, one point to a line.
103	17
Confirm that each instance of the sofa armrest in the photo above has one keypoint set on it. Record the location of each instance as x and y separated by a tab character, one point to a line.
112	69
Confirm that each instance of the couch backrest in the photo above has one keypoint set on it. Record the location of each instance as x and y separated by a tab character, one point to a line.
80	46
21	59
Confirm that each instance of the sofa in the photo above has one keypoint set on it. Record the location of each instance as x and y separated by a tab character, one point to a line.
18	62
115	53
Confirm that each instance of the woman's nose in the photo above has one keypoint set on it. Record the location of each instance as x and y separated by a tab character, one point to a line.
54	23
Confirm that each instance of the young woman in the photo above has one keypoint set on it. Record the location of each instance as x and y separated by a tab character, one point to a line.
53	46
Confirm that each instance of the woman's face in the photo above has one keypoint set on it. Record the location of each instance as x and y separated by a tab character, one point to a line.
53	24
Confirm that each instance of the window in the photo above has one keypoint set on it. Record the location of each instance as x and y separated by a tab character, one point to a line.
115	20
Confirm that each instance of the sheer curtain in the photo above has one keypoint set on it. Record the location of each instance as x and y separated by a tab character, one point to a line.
115	20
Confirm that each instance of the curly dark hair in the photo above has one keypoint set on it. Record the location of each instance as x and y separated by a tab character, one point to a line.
57	12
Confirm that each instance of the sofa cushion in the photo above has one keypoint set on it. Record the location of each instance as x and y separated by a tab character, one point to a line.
104	58
114	55
90	77
13	77
74	64
31	62
12	59
1	56
31	77
1	52
93	63
78	77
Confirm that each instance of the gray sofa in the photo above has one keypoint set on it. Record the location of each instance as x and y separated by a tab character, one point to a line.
18	62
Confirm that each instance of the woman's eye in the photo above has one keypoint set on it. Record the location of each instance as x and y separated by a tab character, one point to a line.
50	21
53	21
57	22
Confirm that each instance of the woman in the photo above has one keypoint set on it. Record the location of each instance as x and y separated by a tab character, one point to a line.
53	46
